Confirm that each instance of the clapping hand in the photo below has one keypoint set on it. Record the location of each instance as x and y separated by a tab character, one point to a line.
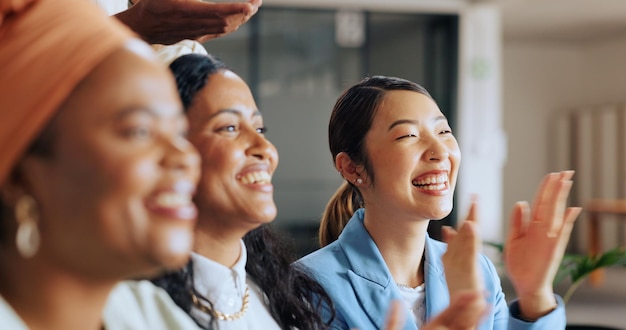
536	243
169	21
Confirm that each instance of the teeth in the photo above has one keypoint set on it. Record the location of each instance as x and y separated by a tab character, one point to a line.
171	199
435	180
262	177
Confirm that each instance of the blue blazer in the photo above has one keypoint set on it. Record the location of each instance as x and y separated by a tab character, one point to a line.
354	274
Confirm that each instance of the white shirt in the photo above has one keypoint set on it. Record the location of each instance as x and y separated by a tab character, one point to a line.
225	288
132	305
414	300
112	7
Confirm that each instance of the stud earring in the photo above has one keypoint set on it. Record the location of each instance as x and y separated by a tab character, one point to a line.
359	181
27	215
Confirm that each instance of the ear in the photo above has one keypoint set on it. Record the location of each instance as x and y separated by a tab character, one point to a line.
350	170
18	182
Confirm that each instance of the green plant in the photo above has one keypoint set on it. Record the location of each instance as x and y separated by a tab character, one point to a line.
577	267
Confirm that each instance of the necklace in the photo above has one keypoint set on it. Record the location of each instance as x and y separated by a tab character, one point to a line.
245	300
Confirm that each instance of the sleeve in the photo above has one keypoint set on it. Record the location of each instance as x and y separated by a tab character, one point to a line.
506	317
553	320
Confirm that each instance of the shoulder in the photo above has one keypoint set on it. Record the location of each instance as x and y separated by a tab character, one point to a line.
328	255
9	317
142	305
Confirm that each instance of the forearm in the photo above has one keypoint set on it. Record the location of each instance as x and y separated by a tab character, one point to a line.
535	305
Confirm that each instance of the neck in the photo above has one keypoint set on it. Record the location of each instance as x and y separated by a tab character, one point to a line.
401	242
217	243
46	297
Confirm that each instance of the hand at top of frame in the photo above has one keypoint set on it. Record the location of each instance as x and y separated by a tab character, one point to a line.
169	21
536	244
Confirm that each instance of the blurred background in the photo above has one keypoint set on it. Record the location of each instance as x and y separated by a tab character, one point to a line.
528	86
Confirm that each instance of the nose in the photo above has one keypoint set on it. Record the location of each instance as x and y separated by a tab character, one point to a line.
262	148
437	150
181	156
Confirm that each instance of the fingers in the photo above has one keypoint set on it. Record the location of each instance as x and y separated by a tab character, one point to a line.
395	316
570	217
556	216
520	216
543	193
472	214
201	9
550	202
465	311
449	233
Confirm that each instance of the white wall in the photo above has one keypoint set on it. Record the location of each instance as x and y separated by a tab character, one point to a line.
540	81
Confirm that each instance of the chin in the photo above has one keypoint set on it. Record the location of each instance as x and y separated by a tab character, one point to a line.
268	214
172	250
441	214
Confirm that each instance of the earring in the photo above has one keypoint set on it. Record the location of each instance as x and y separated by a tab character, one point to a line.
27	215
359	181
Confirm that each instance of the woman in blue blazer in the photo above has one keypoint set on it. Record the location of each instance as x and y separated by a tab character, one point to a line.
395	149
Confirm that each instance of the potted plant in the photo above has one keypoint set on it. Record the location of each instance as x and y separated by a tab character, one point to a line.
576	268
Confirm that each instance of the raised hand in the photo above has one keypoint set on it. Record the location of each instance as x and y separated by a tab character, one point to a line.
169	21
461	258
536	243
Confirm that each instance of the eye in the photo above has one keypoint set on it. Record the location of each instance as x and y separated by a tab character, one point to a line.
446	131
261	130
138	133
228	129
407	136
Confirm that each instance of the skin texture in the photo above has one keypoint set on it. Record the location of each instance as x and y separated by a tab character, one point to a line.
169	21
118	142
227	127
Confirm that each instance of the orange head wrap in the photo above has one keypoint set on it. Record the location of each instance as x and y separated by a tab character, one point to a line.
46	48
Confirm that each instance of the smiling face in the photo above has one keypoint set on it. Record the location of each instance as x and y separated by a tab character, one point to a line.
414	156
237	160
115	195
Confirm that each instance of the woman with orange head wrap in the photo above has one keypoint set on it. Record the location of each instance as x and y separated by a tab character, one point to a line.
95	176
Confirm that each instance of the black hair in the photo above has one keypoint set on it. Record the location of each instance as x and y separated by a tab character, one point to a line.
295	299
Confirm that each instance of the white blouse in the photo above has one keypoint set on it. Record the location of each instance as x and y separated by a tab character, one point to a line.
225	288
132	305
414	300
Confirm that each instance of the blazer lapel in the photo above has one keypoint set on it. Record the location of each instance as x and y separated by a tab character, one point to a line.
370	278
437	295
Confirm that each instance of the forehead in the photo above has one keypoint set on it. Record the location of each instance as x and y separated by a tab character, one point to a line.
125	81
397	105
224	90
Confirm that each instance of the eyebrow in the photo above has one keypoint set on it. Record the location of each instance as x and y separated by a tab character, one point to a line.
234	112
140	110
412	122
129	111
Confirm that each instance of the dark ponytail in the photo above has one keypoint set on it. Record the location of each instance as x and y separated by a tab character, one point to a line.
346	200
